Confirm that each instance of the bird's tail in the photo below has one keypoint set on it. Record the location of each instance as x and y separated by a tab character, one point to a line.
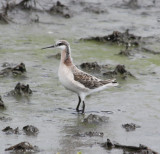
111	82
106	84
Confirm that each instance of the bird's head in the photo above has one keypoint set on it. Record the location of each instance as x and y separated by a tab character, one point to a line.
62	44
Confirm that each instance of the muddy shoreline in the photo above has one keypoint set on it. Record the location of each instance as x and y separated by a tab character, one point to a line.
118	39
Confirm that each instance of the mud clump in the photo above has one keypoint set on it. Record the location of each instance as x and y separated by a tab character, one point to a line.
19	69
2	106
4	18
133	4
91	66
90	134
14	71
119	70
21	90
90	7
4	14
126	52
147	50
130	127
132	42
5	119
29	7
9	130
94	9
106	70
94	134
118	38
23	147
26	4
30	130
6	64
142	149
143	48
60	9
129	4
95	119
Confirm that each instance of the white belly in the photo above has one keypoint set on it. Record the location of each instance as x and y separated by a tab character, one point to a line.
66	78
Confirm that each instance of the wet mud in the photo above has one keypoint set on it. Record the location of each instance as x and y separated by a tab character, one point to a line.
93	134
92	66
4	19
132	43
12	71
20	90
128	28
90	7
5	119
107	71
94	9
151	51
8	130
29	6
119	71
135	4
95	119
2	106
126	51
142	149
90	134
23	147
56	56
30	130
60	9
120	38
130	127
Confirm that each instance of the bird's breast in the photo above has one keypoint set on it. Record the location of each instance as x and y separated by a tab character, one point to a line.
65	76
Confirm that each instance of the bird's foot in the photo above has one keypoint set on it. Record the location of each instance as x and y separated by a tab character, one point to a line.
78	110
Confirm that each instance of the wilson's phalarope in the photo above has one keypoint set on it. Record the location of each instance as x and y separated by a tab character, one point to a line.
75	80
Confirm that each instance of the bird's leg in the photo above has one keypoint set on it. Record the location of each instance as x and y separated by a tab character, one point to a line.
77	108
83	107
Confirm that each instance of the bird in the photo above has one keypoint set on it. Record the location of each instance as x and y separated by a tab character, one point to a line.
76	80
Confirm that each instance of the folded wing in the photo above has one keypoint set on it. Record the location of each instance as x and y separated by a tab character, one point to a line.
90	81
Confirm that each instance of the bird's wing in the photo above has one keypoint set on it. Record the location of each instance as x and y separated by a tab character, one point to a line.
88	80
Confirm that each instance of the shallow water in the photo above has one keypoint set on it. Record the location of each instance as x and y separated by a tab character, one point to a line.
51	108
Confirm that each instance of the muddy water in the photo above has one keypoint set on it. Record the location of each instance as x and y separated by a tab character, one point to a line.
51	108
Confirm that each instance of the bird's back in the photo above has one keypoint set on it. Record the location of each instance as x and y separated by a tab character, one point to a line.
90	81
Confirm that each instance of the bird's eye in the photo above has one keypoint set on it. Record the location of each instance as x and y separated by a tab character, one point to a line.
59	44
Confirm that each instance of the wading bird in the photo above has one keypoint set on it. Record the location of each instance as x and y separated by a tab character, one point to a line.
75	80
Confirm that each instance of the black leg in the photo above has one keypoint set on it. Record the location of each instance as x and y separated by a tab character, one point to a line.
77	108
83	107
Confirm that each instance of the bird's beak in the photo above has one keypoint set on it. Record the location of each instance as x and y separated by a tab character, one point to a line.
53	46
